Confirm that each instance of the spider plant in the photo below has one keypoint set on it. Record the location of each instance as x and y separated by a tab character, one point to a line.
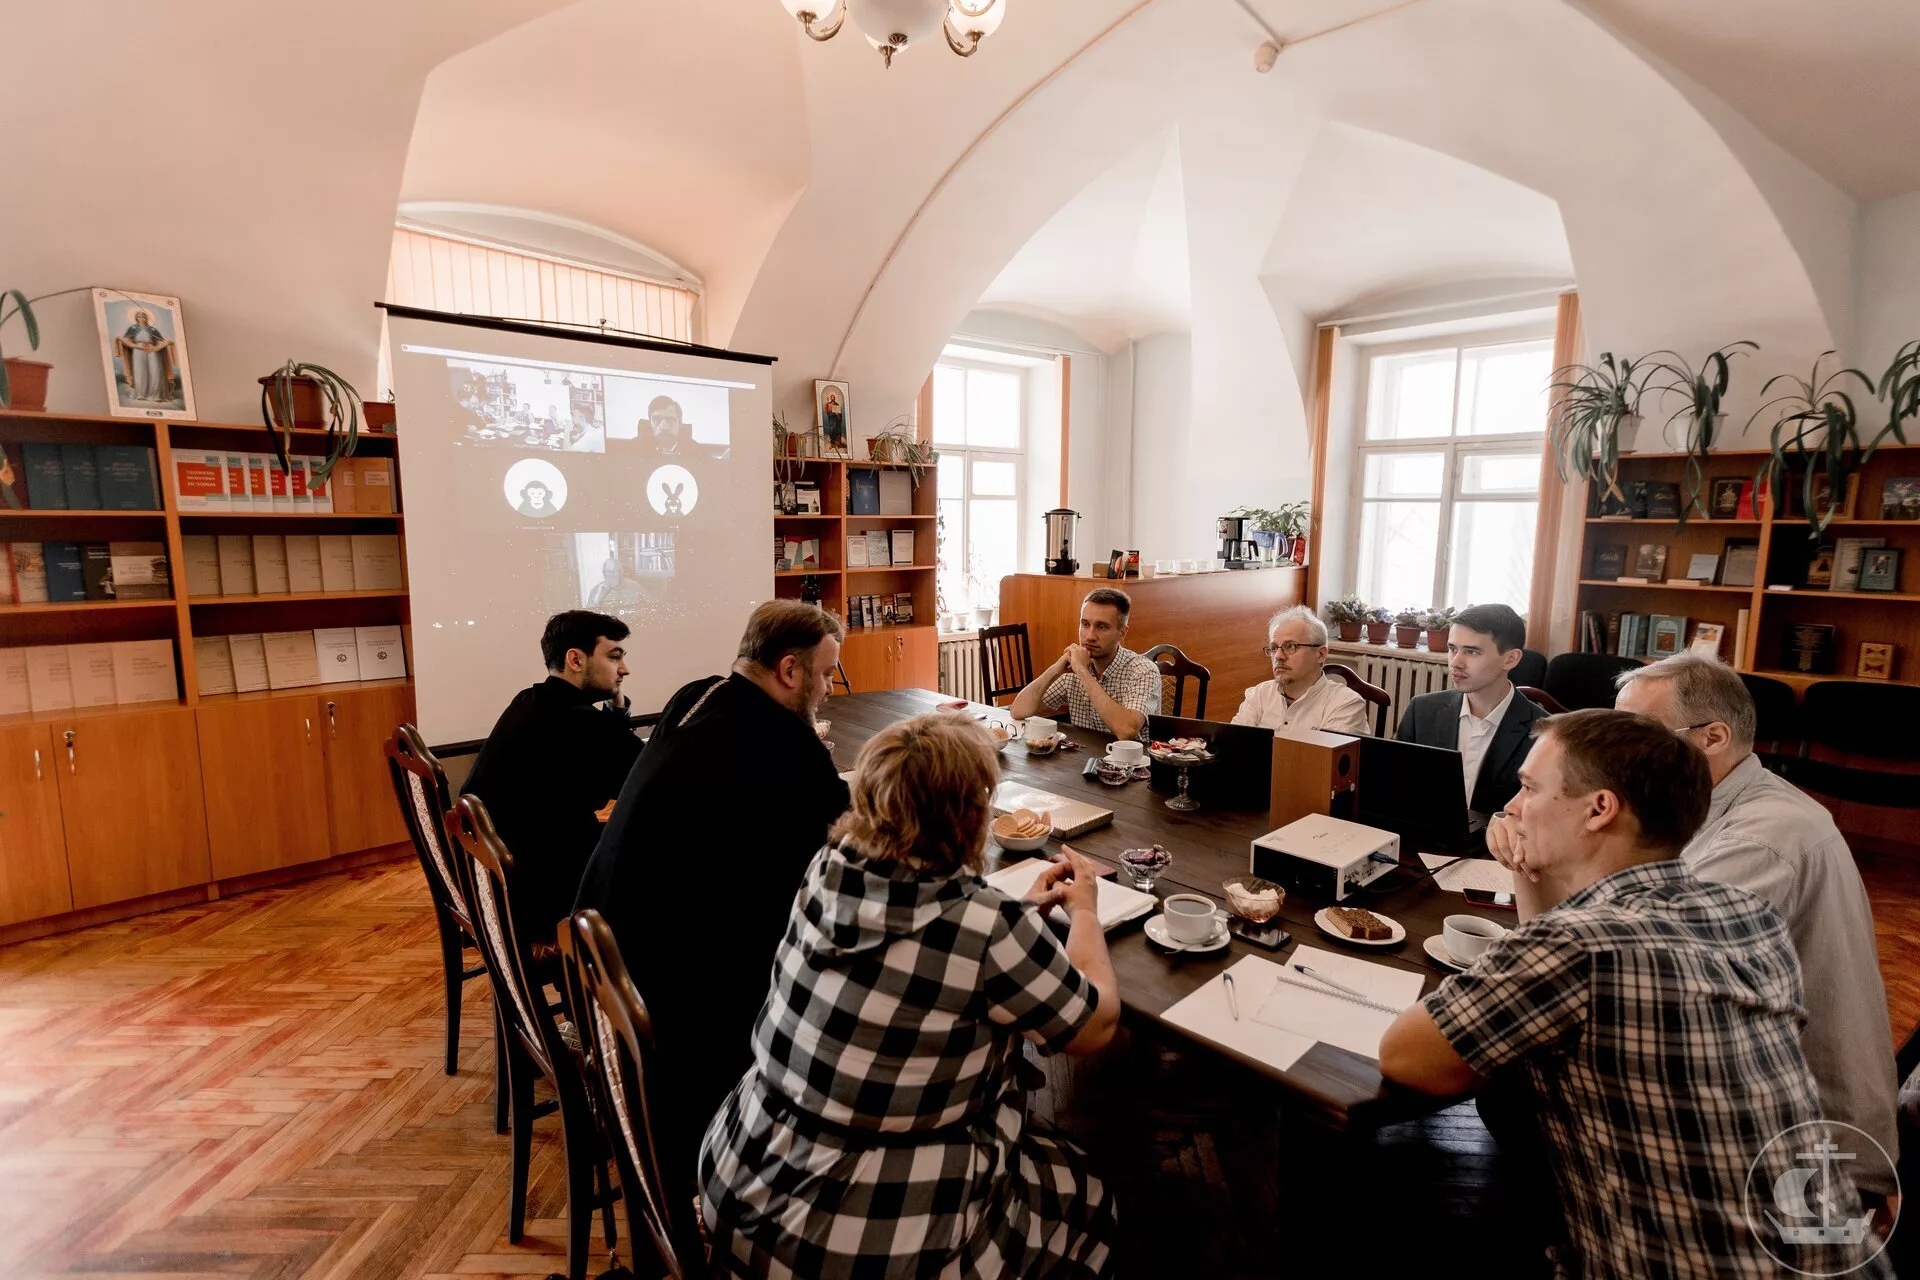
1820	423
1592	402
1703	390
22	306
1900	388
339	402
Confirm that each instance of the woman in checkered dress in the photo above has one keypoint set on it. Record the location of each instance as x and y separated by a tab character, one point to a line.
879	1133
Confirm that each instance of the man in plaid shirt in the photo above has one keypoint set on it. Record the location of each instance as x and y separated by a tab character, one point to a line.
1651	1019
1101	683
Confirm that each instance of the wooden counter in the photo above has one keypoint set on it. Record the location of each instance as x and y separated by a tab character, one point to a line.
1218	619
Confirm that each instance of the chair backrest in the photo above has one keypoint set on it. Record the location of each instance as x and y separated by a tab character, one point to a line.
1541	698
1776	713
1859	742
1531	670
1006	660
509	964
1582	680
1178	668
420	785
1373	693
839	677
618	1059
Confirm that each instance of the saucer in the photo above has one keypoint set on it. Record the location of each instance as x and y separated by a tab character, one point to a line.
1436	948
1157	932
1143	771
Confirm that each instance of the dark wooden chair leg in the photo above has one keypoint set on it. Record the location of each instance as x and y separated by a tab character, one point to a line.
584	1172
520	1075
455	973
501	1086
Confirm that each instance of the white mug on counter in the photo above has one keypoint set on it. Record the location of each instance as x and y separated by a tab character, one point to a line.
1040	729
1126	751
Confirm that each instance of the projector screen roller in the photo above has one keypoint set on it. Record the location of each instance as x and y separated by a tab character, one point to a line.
545	472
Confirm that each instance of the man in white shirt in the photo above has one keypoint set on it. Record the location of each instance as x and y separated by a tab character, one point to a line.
1766	836
1301	694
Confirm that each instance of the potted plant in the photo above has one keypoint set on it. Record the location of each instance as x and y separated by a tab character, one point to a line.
1406	628
897	443
1348	615
1378	620
1703	390
23	383
1436	621
1296	518
1595	404
305	397
1819	423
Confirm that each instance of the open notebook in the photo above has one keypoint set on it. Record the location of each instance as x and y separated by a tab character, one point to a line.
1118	903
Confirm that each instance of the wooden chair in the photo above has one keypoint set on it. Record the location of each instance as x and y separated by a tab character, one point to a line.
619	1055
839	679
420	785
1006	660
1859	743
1373	693
1178	667
1541	698
1582	680
1776	733
537	1043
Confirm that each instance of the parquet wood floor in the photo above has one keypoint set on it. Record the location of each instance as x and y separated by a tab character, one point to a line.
252	1088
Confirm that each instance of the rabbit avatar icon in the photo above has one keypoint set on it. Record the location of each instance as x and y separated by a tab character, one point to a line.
672	491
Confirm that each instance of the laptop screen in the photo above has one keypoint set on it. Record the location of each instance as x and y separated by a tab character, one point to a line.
1418	793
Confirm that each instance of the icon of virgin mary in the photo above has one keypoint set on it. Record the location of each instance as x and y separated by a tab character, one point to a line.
147	359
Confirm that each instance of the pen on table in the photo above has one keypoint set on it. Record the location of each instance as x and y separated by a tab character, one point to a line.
1332	982
1233	1002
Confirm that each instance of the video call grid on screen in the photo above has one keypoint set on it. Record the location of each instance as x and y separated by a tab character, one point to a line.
545	472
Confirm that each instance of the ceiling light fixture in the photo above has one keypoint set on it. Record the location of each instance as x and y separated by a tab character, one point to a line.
894	25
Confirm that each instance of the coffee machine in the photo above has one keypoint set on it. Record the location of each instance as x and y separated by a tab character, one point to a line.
1060	542
1236	549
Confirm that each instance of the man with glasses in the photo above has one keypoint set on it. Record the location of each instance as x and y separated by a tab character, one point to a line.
1301	694
1766	836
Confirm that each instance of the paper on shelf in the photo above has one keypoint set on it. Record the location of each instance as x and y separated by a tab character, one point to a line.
1117	903
1205	1013
1469	873
1331	1017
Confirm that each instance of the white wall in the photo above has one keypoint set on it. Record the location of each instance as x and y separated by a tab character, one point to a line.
1163	522
1888	283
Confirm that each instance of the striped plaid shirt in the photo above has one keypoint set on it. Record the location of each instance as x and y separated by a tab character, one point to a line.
1129	680
1656	1019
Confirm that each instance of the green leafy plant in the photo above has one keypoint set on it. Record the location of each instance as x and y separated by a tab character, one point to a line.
1437	618
339	402
1900	389
1378	615
1703	389
1408	617
1592	402
1289	518
1819	426
1350	609
22	306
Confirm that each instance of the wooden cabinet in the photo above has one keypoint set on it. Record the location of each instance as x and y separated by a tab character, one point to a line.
131	803
359	787
33	848
266	790
896	658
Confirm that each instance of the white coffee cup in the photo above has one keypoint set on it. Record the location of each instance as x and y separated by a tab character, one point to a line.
1192	918
1127	751
1467	937
1039	729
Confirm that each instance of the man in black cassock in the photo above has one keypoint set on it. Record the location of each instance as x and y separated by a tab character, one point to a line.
697	871
558	753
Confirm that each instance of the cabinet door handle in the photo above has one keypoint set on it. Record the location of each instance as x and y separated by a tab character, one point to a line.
333	727
36	764
72	764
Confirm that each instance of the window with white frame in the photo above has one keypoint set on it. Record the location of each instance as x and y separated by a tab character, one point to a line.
979	429
1447	474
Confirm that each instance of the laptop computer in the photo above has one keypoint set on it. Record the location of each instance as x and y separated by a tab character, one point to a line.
1417	792
1239	777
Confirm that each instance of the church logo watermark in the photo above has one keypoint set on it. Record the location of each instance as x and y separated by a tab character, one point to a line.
1801	1201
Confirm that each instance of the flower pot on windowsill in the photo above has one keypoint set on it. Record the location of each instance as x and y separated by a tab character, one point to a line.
1349	631
1437	641
1377	632
27	384
1406	637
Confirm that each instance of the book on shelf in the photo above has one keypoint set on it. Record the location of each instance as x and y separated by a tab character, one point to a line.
1609	560
27	567
65	581
233	467
1650	562
1847	554
143	671
199	481
128	477
1613	632
856	551
1740	562
259	484
96	570
901	539
46	476
863	491
1820	567
83	477
201	554
1900	498
1740	635
903	606
90	668
292	660
1724	497
249	656
373	486
336	562
1666	635
806	497
14	698
376	561
1611	504
1707	637
879	548
809	553
1704	567
303	563
1593	632
299	499
346	491
140	570
279	496
213	663
319	488
49	679
382	654
790	553
1876	661
13	480
1808	647
1663	501
270	564
896	493
236	565
337	651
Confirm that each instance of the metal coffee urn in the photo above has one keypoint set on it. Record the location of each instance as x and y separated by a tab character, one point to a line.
1060	542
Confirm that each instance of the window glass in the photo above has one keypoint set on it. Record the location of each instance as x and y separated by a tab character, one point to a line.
1399	542
1411	395
1503	389
1492	554
1485	475
1405	475
949	409
993	409
994	479
993	538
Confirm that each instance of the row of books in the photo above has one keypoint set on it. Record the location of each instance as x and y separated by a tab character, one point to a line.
1656	635
795	553
79	477
57	572
210	481
249	663
1734	566
276	564
879	493
880	611
59	677
880	548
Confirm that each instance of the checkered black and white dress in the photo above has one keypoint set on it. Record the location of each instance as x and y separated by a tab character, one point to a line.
878	1134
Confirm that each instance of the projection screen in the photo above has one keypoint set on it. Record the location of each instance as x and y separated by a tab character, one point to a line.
542	472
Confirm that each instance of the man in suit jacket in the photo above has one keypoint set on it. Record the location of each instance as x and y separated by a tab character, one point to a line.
1483	716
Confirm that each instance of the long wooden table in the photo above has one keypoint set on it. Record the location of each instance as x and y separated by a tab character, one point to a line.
1208	845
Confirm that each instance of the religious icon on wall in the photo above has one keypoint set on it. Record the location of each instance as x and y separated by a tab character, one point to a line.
830	413
143	347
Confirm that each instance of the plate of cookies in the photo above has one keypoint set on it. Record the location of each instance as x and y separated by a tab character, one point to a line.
1359	926
1022	831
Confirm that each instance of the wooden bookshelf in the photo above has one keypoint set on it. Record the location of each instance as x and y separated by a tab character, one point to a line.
886	656
1887	617
119	809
